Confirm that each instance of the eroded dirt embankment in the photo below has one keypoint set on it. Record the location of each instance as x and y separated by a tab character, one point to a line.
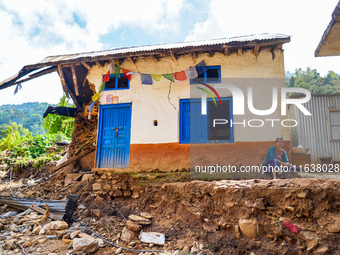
224	217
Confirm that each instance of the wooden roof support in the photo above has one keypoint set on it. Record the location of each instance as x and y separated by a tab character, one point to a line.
272	50
86	65
62	78
173	56
226	52
154	58
256	50
194	56
98	64
239	51
74	98
131	60
75	82
211	53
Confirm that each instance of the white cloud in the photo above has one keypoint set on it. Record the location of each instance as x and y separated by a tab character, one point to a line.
304	20
32	30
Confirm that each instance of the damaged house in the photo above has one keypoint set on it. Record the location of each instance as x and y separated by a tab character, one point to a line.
141	115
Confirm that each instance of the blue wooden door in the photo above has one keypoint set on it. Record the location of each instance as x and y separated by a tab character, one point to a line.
114	136
193	125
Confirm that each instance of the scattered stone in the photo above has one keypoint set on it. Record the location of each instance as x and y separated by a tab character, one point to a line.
81	207
96	212
13	228
223	223
67	241
74	234
152	177
41	241
135	195
140	220
290	208
152	237
322	250
99	200
146	215
56	225
133	226
1	226
127	193
259	204
209	228
249	228
127	235
26	244
37	230
335	226
84	245
96	186
248	203
117	193
230	204
312	244
302	195
237	232
107	187
10	244
119	250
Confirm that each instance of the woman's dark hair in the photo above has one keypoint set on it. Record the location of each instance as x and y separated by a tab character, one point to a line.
279	138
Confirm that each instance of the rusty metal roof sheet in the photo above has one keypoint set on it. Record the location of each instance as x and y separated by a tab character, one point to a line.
171	46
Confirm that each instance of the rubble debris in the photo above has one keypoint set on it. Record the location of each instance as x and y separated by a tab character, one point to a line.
20	203
85	245
152	237
139	220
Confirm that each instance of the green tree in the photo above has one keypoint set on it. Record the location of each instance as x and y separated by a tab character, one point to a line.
311	80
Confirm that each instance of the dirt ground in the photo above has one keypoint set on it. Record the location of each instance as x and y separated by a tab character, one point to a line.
197	217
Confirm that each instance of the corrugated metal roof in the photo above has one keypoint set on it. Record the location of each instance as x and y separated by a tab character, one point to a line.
301	95
170	46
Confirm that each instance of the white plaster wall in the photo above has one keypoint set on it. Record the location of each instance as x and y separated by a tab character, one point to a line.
151	102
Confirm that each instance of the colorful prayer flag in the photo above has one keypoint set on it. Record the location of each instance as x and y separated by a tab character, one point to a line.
106	77
201	67
146	79
169	76
191	72
90	110
112	68
156	77
125	73
180	76
96	96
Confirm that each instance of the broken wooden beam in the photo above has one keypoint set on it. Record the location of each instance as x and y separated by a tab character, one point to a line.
75	158
75	82
62	78
42	211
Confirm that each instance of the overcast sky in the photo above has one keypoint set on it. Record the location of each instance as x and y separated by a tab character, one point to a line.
32	30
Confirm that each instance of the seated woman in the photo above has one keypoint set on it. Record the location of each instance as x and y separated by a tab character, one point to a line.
277	159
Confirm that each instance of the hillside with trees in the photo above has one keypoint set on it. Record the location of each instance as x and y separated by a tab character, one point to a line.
29	115
314	82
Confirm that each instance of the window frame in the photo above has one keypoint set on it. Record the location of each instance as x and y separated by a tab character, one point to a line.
205	75
181	121
330	124
116	83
